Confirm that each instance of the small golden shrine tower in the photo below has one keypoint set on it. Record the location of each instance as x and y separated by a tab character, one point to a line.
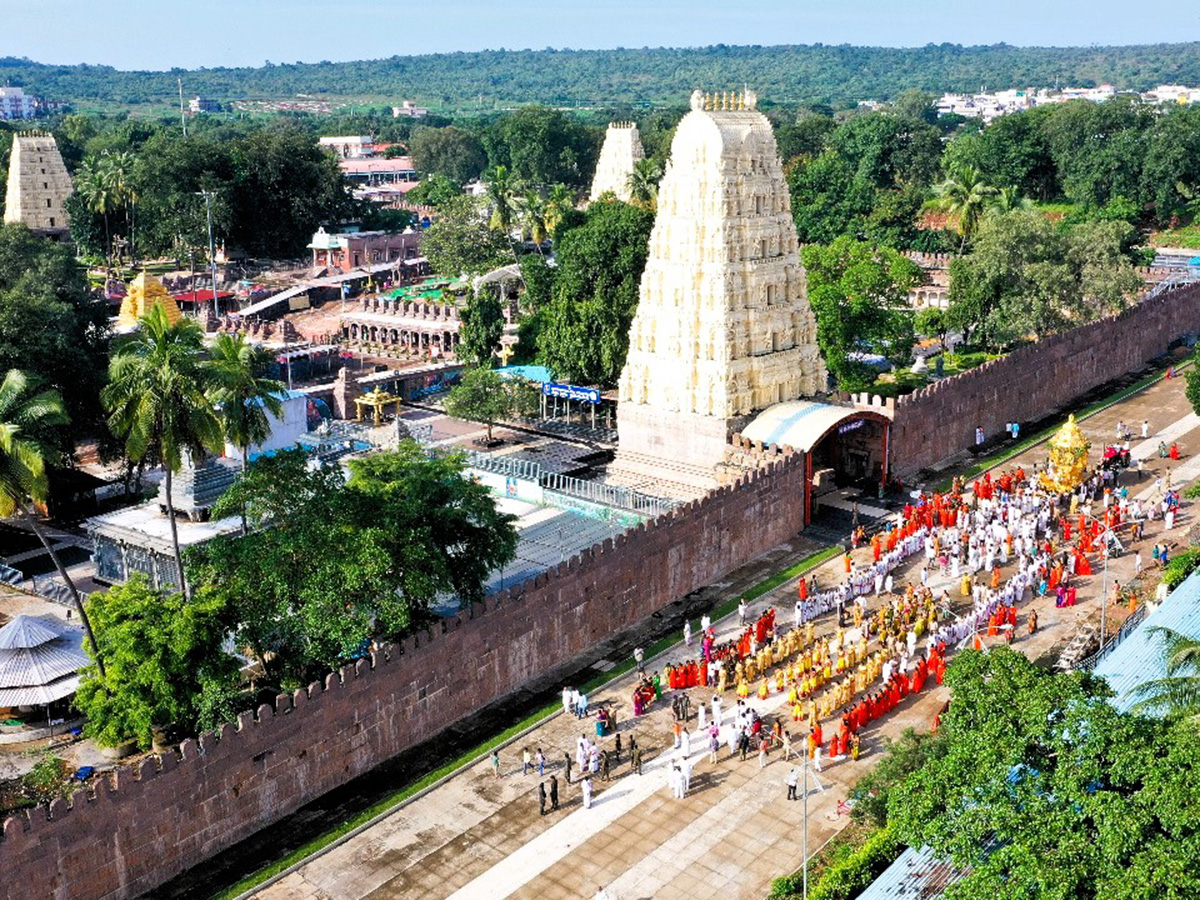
1068	458
144	292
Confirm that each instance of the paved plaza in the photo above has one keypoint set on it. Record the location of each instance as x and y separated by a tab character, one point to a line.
479	836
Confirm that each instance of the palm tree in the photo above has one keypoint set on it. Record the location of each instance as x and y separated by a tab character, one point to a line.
93	185
1008	199
157	402
1178	695
643	183
24	418
964	195
560	201
243	395
534	212
502	192
117	170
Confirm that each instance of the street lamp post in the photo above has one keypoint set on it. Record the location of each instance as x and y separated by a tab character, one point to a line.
212	252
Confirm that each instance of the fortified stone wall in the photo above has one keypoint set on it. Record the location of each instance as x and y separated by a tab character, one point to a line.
156	819
939	421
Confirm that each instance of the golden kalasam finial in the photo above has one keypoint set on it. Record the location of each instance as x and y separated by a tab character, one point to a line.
724	100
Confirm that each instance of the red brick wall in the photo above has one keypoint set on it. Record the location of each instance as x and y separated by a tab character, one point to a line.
160	817
938	421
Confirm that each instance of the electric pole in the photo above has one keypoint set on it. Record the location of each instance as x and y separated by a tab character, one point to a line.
182	117
212	251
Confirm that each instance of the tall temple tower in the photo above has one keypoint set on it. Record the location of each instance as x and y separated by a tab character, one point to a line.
38	185
723	326
622	148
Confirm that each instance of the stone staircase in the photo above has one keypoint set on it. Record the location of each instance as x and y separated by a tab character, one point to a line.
1086	639
660	477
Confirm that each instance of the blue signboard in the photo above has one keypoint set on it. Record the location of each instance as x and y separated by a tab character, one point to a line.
571	392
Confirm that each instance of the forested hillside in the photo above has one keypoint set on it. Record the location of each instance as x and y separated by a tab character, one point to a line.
784	74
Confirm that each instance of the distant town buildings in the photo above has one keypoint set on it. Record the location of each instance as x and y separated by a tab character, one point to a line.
16	104
409	110
349	147
38	185
199	105
363	172
988	106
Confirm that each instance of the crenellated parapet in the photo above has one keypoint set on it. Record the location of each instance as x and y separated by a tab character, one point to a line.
148	820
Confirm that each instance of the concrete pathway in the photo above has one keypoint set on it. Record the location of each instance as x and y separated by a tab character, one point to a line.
481	836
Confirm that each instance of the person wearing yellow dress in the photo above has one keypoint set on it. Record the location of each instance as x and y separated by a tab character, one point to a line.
764	691
965	587
779	681
722	680
743	689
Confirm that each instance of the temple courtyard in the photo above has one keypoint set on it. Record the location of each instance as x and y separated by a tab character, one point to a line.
477	835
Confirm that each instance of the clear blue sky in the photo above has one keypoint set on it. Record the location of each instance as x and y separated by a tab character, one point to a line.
159	34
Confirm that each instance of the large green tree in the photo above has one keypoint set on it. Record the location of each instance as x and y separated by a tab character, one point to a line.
165	665
1043	790
51	326
329	564
586	333
1027	276
452	152
283	186
859	294
157	402
460	242
481	396
542	146
482	326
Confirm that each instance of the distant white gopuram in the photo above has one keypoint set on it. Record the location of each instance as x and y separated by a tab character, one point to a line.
622	148
723	327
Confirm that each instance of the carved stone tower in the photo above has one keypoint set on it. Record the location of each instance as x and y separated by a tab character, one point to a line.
38	185
622	148
723	327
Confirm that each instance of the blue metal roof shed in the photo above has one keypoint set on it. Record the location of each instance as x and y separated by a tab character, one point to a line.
1139	658
915	875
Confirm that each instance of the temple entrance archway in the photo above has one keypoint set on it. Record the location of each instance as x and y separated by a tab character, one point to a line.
844	447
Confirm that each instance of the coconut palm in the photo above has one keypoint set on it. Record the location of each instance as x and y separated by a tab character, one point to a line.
559	202
243	395
1008	199
643	183
25	416
94	186
965	196
157	402
117	170
502	191
534	214
1177	695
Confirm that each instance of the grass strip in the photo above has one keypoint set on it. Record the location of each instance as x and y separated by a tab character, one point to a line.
387	804
1004	454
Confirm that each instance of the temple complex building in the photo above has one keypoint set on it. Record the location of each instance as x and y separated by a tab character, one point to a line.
622	149
38	185
723	327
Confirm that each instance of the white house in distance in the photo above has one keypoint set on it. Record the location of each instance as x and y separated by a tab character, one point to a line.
349	146
409	110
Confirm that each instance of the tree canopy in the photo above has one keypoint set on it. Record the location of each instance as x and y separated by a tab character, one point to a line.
585	335
164	664
1045	791
51	327
859	294
330	563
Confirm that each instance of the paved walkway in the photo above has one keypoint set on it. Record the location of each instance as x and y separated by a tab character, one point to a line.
481	836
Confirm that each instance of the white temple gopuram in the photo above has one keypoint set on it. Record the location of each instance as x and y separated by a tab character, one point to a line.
723	327
622	149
